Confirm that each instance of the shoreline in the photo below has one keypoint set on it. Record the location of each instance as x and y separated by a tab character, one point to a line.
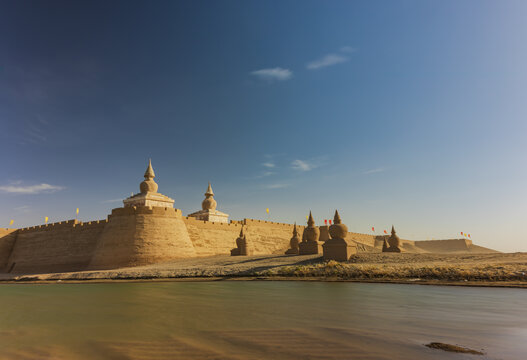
483	270
434	282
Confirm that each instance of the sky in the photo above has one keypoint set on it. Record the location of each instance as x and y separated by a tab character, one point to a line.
411	113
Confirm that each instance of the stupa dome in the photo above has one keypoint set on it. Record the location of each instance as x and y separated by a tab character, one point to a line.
338	230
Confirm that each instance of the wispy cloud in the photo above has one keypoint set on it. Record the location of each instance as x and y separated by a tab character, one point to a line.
269	164
347	49
277	186
264	174
327	60
111	201
23	209
273	74
302	165
373	171
31	189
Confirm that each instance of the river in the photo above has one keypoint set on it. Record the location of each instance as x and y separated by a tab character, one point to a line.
258	320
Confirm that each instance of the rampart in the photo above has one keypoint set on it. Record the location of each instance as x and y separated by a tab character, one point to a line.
7	241
267	237
216	238
62	246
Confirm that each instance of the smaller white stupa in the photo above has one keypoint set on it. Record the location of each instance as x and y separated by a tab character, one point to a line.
209	212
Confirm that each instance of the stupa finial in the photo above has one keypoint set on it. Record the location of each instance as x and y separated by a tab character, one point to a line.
336	218
310	220
209	191
149	173
393	230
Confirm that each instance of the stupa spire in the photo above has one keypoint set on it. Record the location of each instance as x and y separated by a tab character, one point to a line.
209	191
393	230
149	173
336	218
310	220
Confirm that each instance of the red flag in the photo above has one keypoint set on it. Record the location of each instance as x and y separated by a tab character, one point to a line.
468	235
329	222
326	221
386	232
372	228
462	233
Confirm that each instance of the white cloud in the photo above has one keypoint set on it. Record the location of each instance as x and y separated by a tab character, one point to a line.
23	209
277	186
373	171
273	74
264	174
31	189
302	165
347	49
269	164
327	60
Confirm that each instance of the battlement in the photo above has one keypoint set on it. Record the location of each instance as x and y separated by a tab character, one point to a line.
56	225
91	224
145	210
205	223
263	222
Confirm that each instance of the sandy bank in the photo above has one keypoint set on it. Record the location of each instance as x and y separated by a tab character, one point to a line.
481	270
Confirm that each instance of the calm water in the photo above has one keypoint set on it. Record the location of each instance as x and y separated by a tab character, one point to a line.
258	320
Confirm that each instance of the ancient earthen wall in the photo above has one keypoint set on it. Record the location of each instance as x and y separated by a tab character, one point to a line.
362	238
140	236
444	246
267	237
63	246
212	238
263	237
7	241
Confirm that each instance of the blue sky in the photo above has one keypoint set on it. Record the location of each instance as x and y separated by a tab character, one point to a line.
404	112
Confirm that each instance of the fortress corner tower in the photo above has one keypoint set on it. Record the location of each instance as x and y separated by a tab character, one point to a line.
145	231
208	210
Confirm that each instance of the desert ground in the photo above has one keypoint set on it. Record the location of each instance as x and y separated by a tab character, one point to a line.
496	269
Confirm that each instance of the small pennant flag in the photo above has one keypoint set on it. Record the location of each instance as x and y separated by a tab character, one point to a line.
329	222
267	210
468	235
77	211
462	233
46	219
11	222
386	232
307	217
373	228
326	221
